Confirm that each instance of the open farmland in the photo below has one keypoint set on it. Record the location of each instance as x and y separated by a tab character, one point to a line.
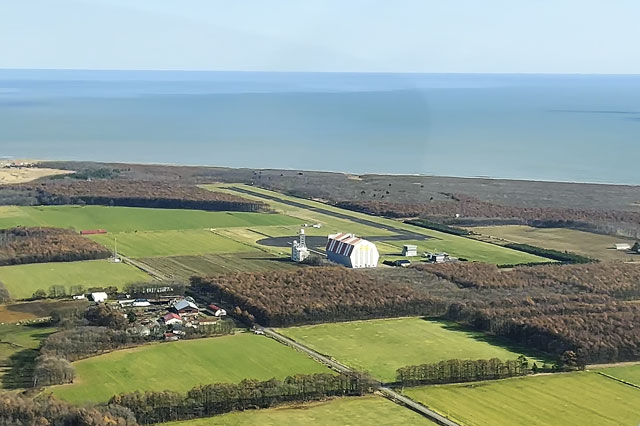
23	280
14	312
588	244
18	349
183	267
573	399
380	347
336	219
128	219
362	411
629	373
179	366
171	243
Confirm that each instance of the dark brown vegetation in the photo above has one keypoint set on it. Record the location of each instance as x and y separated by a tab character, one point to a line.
129	194
588	309
314	294
474	211
218	398
36	245
458	371
20	410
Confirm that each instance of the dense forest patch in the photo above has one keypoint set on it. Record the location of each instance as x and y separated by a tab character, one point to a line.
312	295
128	194
37	245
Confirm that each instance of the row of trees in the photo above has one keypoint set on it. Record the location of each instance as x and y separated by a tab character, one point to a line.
35	245
209	400
309	295
57	291
458	371
117	192
560	256
20	410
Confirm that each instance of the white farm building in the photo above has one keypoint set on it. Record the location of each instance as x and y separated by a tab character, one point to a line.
351	251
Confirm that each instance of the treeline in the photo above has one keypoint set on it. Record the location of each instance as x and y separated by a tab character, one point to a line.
57	291
588	309
424	223
218	398
154	290
311	295
126	193
36	245
459	371
619	280
20	410
560	256
604	221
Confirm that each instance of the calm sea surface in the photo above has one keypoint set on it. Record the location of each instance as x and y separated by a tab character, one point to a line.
547	127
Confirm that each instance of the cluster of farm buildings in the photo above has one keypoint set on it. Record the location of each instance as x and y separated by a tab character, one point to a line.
167	317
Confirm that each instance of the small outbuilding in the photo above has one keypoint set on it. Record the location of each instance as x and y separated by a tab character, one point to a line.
409	250
141	303
623	246
98	297
216	311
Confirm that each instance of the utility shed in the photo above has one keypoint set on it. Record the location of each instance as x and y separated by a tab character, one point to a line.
409	250
351	251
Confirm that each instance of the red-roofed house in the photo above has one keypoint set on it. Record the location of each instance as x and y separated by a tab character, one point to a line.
216	311
172	318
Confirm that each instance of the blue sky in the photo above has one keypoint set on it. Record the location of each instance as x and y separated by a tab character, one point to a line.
510	36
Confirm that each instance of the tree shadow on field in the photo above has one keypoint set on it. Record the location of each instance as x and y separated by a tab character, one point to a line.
19	369
532	355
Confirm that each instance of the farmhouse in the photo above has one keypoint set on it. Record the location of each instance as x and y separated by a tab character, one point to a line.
409	250
172	318
351	251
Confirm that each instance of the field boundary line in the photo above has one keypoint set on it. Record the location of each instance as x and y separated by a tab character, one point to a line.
624	382
144	268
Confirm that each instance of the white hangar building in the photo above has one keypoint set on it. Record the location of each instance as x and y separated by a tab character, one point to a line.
351	251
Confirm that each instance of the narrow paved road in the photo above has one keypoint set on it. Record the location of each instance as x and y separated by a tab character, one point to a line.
341	368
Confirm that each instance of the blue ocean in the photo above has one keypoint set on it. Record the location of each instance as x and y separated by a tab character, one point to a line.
543	127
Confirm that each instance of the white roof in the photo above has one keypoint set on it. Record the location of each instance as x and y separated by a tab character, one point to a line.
184	304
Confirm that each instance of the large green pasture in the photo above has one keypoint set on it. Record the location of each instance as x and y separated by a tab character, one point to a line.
179	366
629	374
380	347
23	280
467	248
171	243
365	411
572	399
124	219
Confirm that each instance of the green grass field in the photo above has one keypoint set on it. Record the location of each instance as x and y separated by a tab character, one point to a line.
365	411
467	248
573	399
585	243
125	219
171	243
23	280
18	344
179	366
629	374
183	267
380	347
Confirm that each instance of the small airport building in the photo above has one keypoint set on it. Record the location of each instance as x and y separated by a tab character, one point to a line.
409	250
351	251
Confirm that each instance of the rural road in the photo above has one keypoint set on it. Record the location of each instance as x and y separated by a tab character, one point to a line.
402	233
341	368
